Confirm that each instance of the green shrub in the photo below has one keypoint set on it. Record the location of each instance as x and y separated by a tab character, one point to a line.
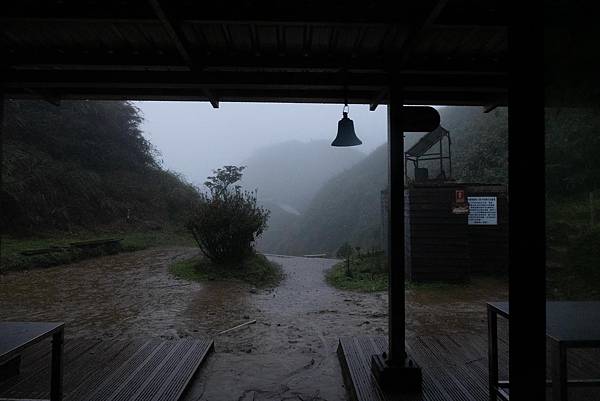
369	273
226	221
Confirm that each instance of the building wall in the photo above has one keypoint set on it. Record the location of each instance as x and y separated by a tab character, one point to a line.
441	245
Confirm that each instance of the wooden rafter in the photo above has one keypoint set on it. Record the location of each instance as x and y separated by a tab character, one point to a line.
413	39
489	83
380	97
176	35
171	30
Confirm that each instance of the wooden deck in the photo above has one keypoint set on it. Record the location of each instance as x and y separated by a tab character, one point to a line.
454	368
117	370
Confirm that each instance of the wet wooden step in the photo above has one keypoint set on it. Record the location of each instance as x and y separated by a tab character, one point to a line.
454	367
116	370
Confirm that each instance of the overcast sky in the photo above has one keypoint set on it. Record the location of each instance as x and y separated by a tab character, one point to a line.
193	138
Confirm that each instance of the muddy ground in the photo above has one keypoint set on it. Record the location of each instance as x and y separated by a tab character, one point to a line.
288	354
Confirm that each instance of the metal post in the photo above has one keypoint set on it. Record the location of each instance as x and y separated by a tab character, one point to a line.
396	300
442	173
449	156
394	371
492	353
56	381
559	371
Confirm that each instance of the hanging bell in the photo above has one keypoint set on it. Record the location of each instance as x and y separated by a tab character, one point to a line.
346	136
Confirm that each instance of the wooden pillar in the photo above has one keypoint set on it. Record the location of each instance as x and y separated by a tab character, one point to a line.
396	298
526	170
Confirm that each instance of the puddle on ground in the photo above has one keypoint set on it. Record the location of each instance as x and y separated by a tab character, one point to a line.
288	353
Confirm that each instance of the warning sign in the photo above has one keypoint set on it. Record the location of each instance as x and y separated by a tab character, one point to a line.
482	210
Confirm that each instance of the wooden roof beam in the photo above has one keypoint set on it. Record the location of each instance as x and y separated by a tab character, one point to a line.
173	30
413	39
50	60
490	107
46	95
168	24
214	101
378	99
241	95
253	80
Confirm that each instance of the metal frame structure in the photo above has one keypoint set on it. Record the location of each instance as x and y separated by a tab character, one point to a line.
432	156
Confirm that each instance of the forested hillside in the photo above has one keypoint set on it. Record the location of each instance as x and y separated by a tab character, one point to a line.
83	166
479	143
572	146
347	207
287	176
573	202
290	173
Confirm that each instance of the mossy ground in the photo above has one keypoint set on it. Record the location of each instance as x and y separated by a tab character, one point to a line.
256	270
11	247
367	274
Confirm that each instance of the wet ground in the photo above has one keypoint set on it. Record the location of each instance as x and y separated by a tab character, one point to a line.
289	353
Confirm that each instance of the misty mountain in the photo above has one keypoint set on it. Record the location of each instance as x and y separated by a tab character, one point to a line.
347	207
287	176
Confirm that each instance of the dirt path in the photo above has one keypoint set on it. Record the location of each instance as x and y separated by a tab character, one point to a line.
288	354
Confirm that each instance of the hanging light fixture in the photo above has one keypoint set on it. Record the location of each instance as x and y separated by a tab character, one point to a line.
346	136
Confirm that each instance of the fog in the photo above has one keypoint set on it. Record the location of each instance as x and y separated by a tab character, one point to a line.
193	138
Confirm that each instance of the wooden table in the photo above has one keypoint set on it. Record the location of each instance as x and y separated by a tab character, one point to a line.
16	336
568	325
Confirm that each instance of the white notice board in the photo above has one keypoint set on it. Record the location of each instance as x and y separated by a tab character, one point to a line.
482	210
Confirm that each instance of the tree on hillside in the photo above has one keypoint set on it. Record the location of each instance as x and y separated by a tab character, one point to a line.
572	144
479	143
83	165
227	220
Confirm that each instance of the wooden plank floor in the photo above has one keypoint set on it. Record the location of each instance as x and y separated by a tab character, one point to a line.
454	368
116	370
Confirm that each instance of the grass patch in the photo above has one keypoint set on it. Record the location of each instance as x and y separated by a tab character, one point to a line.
11	258
368	274
256	270
136	241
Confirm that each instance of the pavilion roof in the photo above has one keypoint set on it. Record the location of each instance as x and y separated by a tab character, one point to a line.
442	51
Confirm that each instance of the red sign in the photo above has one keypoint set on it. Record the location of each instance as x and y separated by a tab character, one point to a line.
459	196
